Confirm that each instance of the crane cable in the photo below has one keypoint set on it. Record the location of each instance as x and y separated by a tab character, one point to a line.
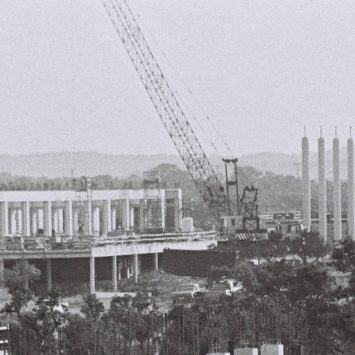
207	117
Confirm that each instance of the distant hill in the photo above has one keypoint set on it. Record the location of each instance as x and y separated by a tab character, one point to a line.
93	163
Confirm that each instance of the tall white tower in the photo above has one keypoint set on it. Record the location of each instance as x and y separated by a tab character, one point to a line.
306	188
336	188
351	187
322	193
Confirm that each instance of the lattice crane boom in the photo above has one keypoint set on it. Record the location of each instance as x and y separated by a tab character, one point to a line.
167	106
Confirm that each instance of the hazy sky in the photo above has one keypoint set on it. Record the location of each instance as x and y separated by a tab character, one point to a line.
260	69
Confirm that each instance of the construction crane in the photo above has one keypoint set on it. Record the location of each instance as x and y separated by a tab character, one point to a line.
168	107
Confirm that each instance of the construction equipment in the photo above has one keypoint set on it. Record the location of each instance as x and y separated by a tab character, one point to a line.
167	105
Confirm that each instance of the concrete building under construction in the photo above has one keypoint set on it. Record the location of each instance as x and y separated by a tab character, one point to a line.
118	231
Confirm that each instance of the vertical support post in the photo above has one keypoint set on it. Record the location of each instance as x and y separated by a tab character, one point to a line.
119	269
90	219
48	218
351	221
336	190
126	215
25	263
2	272
162	205
322	193
5	218
306	187
178	210
108	217
114	273
27	219
156	261
92	274
135	268
69	218
141	216
49	274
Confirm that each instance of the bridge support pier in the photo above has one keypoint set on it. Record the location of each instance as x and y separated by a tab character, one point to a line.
49	274
156	261
92	274
114	273
135	268
2	273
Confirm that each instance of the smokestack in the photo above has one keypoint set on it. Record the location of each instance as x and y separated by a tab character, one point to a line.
306	188
336	189
351	226
322	193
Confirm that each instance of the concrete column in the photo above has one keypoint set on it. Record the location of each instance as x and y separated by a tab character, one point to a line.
25	262
34	223
141	216
135	268
2	272
306	187
75	220
89	214
113	218
156	261
69	217
96	220
48	218
27	219
126	215
336	190
13	220
5	218
92	274
114	273
131	218
162	206
119	269
351	223
322	193
108	216
49	274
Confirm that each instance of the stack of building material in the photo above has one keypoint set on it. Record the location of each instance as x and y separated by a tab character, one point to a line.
272	349
246	351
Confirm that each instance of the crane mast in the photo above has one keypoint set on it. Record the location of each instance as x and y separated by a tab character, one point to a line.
167	106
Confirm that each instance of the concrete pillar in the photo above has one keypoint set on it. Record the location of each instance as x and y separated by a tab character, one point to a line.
306	187
25	262
131	218
162	206
89	214
336	190
69	217
351	222
114	273
107	217
49	274
75	220
156	261
13	220
141	216
113	218
135	268
322	193
126	215
92	274
48	218
26	219
2	272
34	223
96	220
5	217
119	269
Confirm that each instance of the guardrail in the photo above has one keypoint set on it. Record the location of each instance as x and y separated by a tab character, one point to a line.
86	242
